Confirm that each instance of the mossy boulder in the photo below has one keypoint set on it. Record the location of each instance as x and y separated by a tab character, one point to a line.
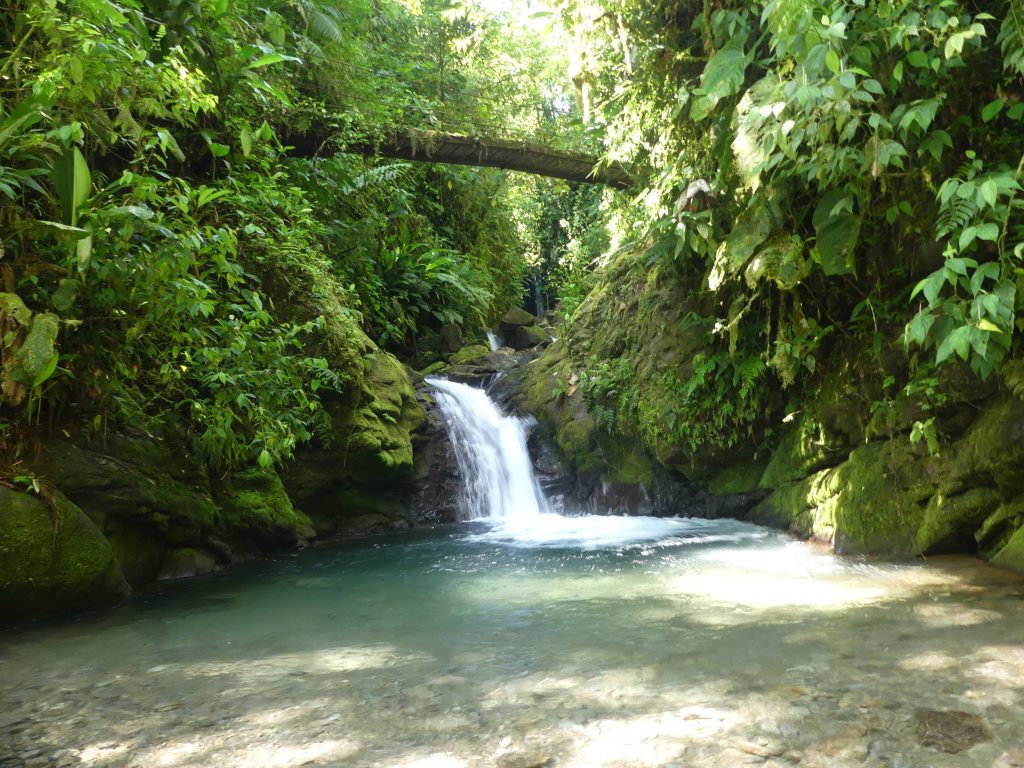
52	557
517	317
1000	526
803	450
1011	555
527	337
546	392
254	504
873	502
370	453
451	337
741	477
474	354
950	522
892	497
139	552
135	479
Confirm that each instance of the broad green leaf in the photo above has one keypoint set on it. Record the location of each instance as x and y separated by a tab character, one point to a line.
958	265
989	192
988	232
71	179
991	110
918	328
65	230
967	237
83	253
918	59
138	211
944	351
961	341
723	76
954	45
932	286
837	231
65	295
271	58
169	144
47	370
989	270
832	61
245	139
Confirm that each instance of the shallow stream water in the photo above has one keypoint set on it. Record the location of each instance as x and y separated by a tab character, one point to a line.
673	643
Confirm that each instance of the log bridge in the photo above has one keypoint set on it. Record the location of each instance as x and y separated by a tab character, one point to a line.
456	149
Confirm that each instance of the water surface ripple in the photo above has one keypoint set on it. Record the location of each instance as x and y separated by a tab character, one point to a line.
644	643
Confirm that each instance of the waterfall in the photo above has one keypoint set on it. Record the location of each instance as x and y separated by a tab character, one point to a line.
490	448
492	341
500	489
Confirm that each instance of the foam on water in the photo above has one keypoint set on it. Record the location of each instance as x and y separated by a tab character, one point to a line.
500	489
593	532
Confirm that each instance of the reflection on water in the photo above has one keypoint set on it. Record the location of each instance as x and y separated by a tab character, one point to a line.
578	642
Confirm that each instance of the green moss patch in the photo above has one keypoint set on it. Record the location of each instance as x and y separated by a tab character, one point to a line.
52	559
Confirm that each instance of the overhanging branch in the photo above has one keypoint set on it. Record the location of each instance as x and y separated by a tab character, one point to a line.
456	149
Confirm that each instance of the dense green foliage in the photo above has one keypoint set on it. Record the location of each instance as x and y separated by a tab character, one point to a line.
818	175
164	261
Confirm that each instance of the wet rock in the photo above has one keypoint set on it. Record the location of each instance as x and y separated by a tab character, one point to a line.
524	758
950	730
133	479
186	562
369	523
527	337
1013	758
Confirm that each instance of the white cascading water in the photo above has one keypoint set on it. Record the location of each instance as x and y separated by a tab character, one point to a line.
497	475
493	342
500	488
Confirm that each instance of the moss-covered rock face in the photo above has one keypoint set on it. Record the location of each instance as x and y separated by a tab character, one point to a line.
1011	554
52	558
517	317
891	497
845	471
141	507
254	504
803	450
527	337
133	479
370	456
474	354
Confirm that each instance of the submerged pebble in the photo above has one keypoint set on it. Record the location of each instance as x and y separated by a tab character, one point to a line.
697	655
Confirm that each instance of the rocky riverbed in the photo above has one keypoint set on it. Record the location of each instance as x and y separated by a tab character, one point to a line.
731	648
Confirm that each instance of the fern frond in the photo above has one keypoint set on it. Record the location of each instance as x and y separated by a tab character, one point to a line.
323	26
954	216
1011	39
747	373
